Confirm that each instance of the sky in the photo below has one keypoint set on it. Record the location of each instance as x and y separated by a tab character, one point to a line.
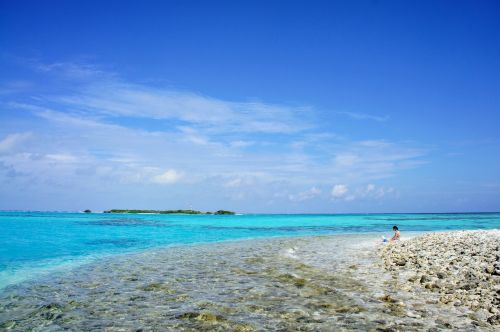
251	106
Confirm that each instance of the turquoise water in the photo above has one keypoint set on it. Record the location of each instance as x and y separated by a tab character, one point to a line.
32	243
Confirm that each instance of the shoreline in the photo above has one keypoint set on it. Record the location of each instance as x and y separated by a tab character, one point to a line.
36	272
244	285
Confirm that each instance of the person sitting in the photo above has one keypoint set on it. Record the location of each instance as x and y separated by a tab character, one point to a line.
397	234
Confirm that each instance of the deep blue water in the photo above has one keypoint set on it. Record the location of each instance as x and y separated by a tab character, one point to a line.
35	242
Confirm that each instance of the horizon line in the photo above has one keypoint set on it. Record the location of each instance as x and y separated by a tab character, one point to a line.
257	213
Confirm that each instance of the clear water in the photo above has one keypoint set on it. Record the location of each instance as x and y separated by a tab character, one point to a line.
33	243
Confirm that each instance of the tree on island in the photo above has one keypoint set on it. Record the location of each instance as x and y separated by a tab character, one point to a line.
224	212
87	211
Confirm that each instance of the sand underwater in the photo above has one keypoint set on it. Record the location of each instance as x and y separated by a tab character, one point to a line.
313	283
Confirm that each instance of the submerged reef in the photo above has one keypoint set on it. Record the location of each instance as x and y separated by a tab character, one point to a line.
320	283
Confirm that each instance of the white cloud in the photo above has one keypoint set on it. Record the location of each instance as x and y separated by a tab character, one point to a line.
64	158
382	192
170	176
364	161
305	195
241	144
339	190
370	191
370	188
12	140
114	98
364	116
374	143
233	183
93	136
113	152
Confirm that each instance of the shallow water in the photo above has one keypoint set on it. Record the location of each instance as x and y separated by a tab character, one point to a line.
33	244
287	284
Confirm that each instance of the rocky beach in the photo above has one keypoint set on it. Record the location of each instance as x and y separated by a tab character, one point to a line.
462	267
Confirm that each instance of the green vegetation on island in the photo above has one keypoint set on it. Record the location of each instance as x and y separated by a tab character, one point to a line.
224	212
219	212
87	211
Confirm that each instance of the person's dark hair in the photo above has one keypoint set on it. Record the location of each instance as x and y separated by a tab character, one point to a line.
395	228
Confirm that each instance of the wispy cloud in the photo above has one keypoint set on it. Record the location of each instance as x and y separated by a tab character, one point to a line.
364	116
305	195
70	70
9	142
109	132
98	94
207	113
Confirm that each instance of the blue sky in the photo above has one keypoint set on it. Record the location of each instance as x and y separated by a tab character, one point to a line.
254	106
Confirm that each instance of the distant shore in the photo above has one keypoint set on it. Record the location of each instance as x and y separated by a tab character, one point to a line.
133	211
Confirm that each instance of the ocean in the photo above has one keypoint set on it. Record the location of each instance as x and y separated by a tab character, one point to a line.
35	244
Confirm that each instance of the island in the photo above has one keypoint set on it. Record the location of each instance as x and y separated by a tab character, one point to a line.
219	212
224	212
